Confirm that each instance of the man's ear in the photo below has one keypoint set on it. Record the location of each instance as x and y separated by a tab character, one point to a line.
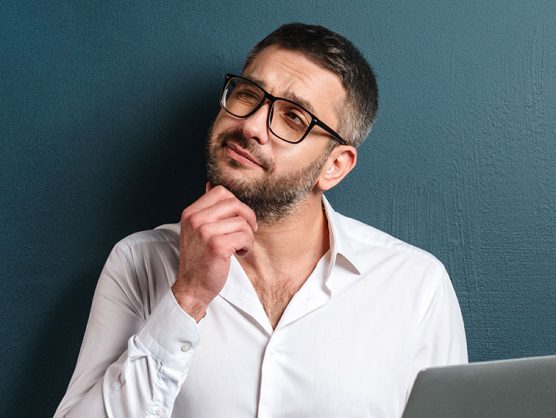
340	162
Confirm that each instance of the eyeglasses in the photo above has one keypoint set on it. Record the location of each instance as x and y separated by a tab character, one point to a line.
287	120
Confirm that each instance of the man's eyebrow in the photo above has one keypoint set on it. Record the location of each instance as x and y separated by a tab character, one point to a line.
302	102
290	95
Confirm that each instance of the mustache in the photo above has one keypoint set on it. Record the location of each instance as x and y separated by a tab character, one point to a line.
248	145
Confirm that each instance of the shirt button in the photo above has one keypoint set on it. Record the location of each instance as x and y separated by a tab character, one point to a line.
186	347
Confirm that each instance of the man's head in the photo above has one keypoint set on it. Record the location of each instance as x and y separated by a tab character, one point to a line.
284	91
341	57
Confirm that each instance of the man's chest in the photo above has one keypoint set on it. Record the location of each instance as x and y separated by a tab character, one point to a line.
275	297
335	361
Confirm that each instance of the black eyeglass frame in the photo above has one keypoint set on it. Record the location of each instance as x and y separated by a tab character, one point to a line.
272	99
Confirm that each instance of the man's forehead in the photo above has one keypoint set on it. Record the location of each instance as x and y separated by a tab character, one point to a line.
292	75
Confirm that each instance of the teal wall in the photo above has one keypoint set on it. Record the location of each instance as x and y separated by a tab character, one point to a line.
104	108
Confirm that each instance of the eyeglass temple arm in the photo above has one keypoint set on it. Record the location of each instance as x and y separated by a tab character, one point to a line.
331	131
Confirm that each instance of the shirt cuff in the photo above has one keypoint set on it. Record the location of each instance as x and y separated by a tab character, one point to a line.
170	334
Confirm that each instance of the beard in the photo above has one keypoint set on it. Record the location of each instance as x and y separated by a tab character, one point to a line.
272	198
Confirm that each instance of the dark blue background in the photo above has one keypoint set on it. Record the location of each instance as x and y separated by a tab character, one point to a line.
104	107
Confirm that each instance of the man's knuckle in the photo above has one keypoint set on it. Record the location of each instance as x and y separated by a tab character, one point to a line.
185	214
221	191
214	245
204	232
232	202
194	221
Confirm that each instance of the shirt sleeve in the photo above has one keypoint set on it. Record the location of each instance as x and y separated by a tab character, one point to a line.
131	363
441	337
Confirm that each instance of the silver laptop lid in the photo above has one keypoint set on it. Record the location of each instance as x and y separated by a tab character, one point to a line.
518	388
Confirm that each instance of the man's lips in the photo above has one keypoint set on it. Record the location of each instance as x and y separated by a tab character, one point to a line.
241	152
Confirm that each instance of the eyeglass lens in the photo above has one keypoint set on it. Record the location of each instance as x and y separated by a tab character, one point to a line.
288	121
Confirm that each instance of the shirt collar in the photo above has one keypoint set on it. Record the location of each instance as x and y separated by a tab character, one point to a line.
343	254
340	243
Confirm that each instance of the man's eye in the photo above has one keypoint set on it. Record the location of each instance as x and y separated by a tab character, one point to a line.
295	117
246	95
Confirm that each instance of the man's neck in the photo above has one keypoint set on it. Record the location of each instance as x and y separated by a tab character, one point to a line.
292	246
285	254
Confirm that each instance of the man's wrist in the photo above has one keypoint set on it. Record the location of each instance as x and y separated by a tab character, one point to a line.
193	305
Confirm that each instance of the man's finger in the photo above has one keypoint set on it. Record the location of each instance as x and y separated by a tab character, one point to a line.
224	209
237	242
214	195
225	227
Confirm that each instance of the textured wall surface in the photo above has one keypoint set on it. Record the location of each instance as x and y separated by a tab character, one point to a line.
103	113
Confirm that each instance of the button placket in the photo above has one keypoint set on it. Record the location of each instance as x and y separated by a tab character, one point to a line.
269	387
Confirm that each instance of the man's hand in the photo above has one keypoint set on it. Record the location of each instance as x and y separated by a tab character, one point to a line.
213	229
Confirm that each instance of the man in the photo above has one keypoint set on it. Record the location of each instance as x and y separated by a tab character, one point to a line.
264	301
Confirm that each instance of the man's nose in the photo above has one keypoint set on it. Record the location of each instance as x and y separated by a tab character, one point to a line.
256	126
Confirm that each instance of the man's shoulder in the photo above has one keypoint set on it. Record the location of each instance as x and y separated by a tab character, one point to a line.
163	235
364	238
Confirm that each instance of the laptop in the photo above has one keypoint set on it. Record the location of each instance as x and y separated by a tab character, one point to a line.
517	388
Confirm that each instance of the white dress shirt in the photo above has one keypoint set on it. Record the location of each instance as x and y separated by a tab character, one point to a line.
372	314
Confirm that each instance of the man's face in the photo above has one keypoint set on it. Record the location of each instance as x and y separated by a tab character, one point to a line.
266	173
